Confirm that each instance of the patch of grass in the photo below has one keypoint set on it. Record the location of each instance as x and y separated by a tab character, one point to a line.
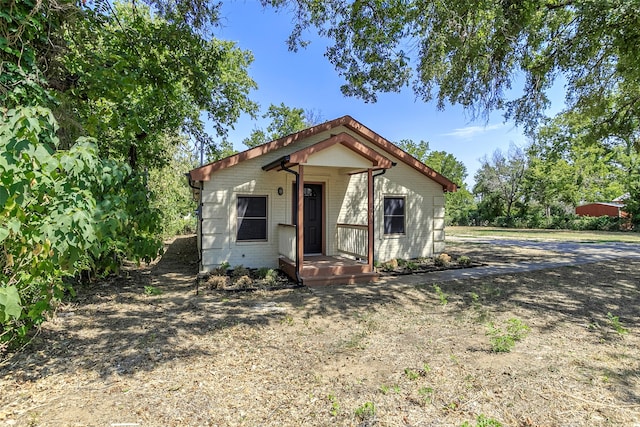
615	323
366	412
483	421
537	234
152	290
503	341
441	295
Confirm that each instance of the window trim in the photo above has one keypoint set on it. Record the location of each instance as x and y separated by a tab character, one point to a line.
266	218
404	215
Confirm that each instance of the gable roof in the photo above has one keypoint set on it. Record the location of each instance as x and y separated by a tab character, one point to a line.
342	139
203	173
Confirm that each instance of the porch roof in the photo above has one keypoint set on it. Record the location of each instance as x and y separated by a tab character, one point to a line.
342	143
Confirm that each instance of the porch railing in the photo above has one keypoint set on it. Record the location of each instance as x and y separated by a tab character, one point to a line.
287	240
353	239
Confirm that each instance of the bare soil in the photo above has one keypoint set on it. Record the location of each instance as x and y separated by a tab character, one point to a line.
384	354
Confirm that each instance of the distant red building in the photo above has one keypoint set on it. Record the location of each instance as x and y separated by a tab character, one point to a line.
614	210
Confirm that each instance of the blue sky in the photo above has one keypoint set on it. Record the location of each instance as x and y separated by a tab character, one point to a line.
307	80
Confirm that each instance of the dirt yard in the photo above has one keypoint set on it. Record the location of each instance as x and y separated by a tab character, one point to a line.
398	353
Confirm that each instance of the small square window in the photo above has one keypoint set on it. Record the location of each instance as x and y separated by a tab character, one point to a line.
252	218
394	215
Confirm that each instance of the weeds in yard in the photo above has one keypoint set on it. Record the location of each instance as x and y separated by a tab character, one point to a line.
425	393
357	341
441	295
503	341
366	412
385	389
482	313
287	320
615	323
152	290
335	406
411	374
414	374
483	421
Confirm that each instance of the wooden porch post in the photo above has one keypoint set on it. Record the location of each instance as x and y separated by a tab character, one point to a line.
300	220
370	208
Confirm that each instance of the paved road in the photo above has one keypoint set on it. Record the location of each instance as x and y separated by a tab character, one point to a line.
569	253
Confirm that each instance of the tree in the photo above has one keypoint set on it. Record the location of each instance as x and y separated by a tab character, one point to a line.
579	169
460	204
133	77
473	53
499	182
135	80
284	121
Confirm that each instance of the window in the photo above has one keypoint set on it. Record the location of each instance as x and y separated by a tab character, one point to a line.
252	218
394	215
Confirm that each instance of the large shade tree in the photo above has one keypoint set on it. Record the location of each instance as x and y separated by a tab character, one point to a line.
476	54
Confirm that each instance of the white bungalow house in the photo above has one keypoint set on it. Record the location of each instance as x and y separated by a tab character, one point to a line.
322	204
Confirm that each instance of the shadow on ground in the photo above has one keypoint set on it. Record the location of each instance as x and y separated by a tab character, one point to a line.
116	328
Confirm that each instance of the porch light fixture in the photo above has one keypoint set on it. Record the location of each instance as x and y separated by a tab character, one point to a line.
280	191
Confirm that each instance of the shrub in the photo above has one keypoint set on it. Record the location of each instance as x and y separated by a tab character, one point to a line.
411	266
464	260
62	213
239	271
442	260
217	282
243	282
221	270
268	275
391	265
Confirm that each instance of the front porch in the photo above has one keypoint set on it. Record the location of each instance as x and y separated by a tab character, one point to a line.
319	270
303	251
352	265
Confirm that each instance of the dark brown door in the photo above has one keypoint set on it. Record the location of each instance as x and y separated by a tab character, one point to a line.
312	218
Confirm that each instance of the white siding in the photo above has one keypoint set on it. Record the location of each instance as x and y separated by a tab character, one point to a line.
345	198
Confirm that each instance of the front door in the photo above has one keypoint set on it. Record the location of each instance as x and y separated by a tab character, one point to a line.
312	219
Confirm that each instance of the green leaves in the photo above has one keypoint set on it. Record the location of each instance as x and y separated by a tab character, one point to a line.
10	307
138	78
475	53
65	211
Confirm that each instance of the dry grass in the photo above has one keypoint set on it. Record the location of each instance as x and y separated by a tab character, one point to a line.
313	357
562	235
